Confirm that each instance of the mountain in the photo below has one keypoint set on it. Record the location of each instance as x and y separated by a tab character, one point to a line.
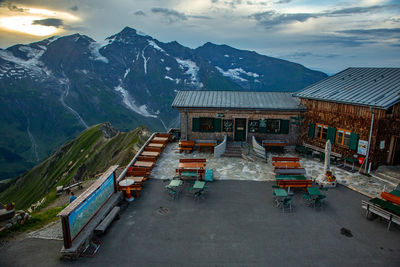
53	89
92	152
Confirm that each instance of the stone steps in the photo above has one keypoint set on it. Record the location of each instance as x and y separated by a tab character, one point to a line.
233	150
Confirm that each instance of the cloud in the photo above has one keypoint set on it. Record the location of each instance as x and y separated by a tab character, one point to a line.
12	7
283	2
139	13
170	14
199	17
302	54
381	32
74	8
272	18
58	23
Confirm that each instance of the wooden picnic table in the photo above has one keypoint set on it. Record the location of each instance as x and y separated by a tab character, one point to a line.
146	164
191	165
286	164
150	154
290	171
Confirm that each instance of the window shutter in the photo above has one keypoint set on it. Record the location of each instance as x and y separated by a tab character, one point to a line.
284	126
331	134
217	125
353	144
196	125
311	130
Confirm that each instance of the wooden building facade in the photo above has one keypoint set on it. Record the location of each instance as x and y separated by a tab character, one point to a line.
358	110
206	115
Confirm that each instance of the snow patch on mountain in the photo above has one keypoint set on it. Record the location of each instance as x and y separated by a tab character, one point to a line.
167	68
127	72
168	78
130	103
95	51
32	64
155	46
226	55
191	69
236	72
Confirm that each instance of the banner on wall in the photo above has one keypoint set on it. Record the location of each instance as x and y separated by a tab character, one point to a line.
362	147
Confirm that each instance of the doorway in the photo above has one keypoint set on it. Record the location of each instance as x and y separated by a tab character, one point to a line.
240	129
396	151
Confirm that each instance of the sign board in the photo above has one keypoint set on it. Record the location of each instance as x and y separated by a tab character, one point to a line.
220	115
382	144
362	147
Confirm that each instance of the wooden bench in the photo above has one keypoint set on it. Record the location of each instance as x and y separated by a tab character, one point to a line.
377	209
163	135
192	160
336	156
102	227
147	158
186	146
303	150
290	177
206	144
152	149
391	198
298	171
198	171
295	183
285	159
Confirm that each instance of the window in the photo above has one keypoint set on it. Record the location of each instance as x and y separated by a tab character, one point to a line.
273	126
343	137
253	126
321	131
206	124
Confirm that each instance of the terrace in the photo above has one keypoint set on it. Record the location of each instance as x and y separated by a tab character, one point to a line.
237	223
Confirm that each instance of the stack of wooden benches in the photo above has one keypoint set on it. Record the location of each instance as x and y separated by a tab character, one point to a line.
140	170
289	172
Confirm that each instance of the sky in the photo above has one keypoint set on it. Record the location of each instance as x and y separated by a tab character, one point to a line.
323	35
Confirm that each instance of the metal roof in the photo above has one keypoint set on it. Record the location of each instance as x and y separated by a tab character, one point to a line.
374	87
237	100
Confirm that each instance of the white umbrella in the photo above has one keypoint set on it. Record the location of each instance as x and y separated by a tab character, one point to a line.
327	165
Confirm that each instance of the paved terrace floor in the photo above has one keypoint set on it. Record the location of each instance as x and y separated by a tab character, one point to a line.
254	169
236	224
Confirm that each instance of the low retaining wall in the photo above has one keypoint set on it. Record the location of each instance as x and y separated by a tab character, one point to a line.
258	149
220	149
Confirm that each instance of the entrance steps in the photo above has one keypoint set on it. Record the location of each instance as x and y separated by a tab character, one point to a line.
233	149
389	174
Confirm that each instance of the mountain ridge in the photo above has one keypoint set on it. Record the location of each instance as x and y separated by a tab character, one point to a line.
53	89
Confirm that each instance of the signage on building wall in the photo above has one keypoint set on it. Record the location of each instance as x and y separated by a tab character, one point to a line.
220	115
362	147
382	144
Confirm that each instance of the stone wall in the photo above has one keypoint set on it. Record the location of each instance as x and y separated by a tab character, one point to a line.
188	114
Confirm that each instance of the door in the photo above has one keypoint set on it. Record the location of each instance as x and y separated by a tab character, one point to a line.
396	151
240	129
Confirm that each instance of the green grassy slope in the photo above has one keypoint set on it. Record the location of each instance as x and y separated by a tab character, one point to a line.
85	156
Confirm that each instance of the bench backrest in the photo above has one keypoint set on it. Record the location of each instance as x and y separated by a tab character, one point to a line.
140	169
285	159
198	171
146	158
192	160
321	150
186	143
152	149
163	135
295	183
137	173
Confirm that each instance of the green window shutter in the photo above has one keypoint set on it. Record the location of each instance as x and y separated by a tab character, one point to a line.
196	125
217	125
311	130
331	134
284	126
353	144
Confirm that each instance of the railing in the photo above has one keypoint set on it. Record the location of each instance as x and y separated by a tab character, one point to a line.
220	149
258	149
